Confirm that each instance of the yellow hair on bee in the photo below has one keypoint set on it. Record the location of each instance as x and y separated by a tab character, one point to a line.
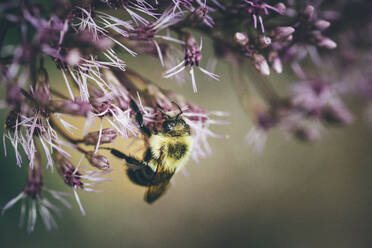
171	152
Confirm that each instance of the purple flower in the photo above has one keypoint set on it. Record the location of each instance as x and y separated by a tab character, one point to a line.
192	58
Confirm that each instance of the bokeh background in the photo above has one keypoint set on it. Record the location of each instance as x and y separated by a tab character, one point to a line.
292	195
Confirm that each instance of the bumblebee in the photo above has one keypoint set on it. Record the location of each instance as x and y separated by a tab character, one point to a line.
168	150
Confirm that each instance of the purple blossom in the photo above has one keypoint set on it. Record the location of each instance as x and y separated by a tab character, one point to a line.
90	42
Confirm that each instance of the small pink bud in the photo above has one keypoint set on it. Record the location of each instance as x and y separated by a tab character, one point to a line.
108	136
276	63
241	38
327	43
261	64
281	7
283	32
264	41
309	11
322	24
99	161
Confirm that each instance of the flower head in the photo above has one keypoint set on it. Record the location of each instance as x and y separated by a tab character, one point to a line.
192	59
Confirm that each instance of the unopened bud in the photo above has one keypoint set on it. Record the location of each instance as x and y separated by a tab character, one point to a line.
281	7
275	62
322	24
241	38
99	161
73	57
337	114
76	107
34	185
13	95
261	64
283	32
103	44
42	91
108	135
306	134
327	43
12	120
309	11
199	14
193	54
264	41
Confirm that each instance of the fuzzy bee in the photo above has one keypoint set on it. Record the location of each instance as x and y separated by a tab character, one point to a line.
168	150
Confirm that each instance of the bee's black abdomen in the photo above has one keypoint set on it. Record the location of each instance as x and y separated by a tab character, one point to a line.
142	176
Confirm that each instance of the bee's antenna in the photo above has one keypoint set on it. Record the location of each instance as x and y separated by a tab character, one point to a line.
181	112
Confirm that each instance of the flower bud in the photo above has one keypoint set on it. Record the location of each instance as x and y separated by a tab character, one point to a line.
327	43
283	32
241	38
322	24
337	114
276	63
289	38
108	136
309	11
198	15
76	107
99	161
306	134
192	52
71	176
261	64
281	7
34	183
265	120
13	95
11	120
264	41
73	57
41	91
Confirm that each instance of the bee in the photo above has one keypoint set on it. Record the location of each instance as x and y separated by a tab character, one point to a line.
168	150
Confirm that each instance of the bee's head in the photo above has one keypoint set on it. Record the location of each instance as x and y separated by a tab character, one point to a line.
175	126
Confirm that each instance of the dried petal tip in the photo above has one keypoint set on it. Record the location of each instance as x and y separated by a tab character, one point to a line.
99	161
108	135
241	38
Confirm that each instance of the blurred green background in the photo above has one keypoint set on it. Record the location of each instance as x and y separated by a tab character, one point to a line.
292	195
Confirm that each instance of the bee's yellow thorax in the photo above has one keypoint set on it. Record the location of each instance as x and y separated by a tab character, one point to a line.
170	152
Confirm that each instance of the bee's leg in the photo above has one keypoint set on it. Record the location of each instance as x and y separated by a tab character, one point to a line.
154	129
131	161
139	118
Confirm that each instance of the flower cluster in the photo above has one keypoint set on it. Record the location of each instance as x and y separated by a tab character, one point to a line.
88	41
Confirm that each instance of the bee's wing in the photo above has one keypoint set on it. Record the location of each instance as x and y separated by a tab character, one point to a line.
155	191
159	185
